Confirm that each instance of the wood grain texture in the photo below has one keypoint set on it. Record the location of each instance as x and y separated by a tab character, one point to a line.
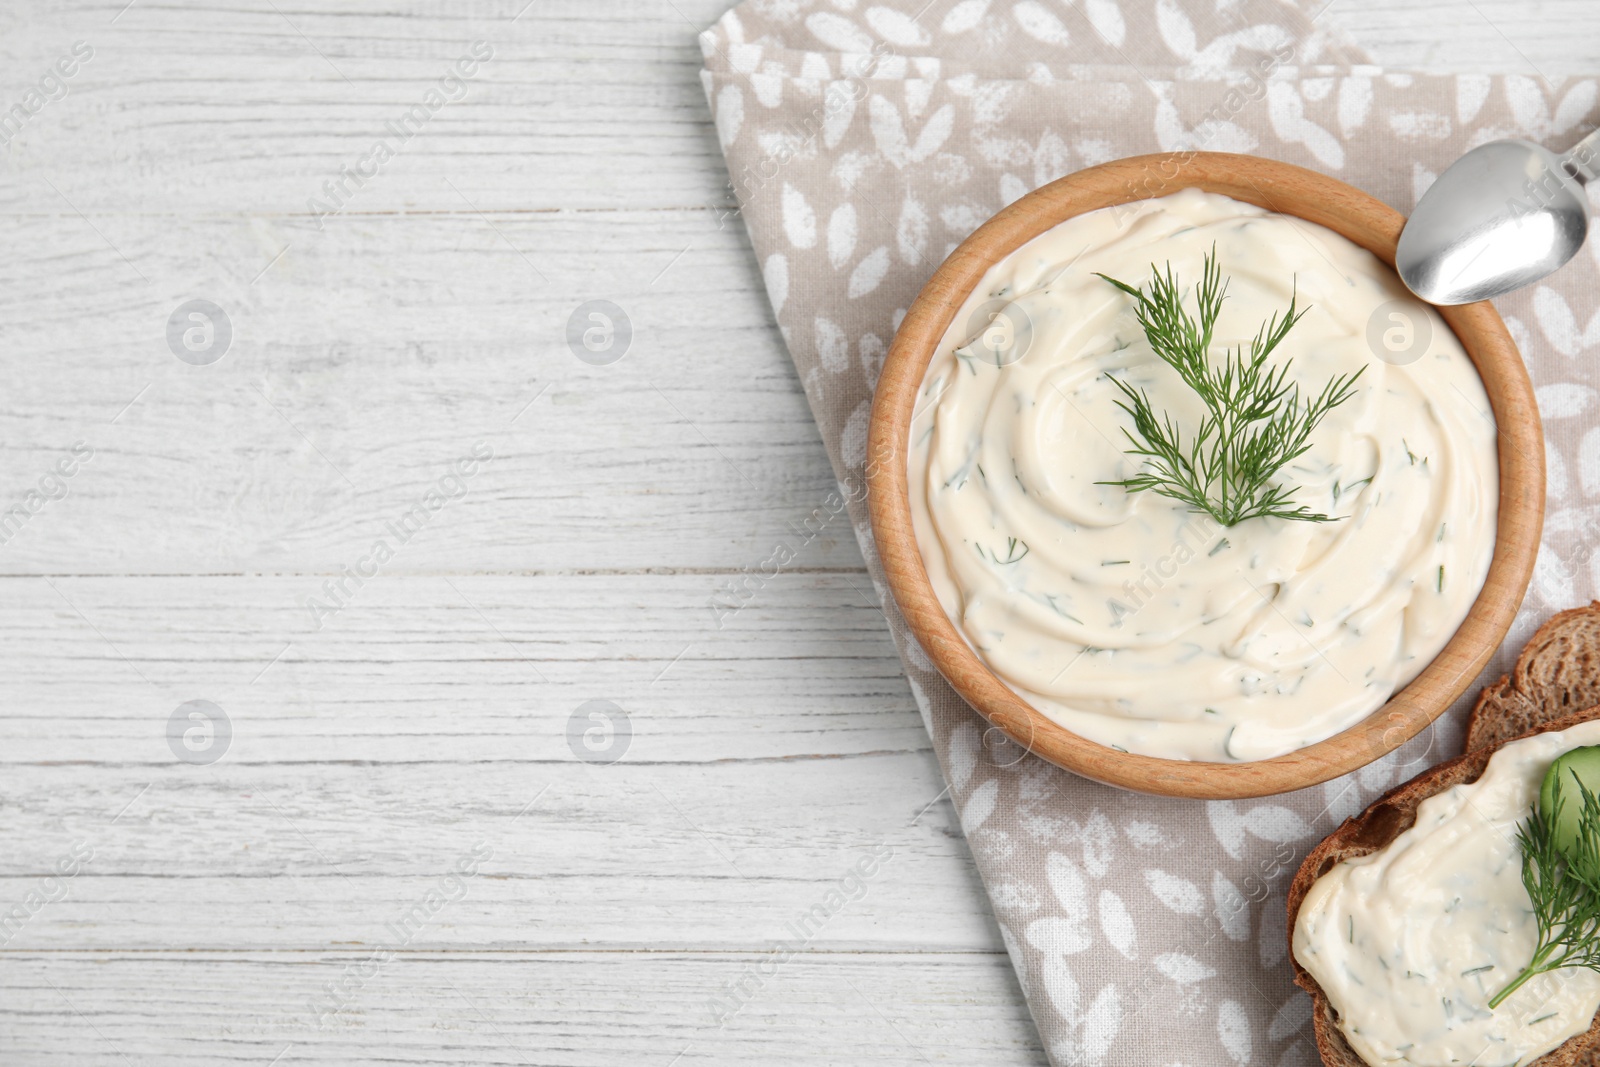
1289	190
1528	37
212	107
577	1009
413	324
367	361
365	761
480	668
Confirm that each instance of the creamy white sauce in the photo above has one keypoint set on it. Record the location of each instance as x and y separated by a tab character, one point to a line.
1129	619
1412	941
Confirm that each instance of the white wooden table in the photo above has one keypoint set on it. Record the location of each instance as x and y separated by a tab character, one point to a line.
288	887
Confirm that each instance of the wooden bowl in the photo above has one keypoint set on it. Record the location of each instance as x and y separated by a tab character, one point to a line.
1288	190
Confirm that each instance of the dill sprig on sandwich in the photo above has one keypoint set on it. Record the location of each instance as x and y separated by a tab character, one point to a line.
1561	869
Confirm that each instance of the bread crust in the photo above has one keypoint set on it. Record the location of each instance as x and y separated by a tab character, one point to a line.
1388	817
1557	673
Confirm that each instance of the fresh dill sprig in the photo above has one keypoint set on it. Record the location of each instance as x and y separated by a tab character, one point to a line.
1563	883
1256	420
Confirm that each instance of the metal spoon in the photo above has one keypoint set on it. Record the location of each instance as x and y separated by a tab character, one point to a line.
1503	216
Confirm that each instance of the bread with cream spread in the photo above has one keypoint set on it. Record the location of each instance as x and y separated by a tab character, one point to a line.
1555	684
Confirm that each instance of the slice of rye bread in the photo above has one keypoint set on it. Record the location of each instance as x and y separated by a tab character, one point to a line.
1388	817
1557	673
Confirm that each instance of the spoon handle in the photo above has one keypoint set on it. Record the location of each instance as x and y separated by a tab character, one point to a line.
1582	160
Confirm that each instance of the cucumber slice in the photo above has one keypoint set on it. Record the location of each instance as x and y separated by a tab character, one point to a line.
1581	765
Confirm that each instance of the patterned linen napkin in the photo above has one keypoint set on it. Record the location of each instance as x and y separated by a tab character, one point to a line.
865	140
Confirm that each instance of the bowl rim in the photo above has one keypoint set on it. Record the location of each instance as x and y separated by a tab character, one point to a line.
1273	185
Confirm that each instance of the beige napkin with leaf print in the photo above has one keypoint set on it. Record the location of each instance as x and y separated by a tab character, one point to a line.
864	141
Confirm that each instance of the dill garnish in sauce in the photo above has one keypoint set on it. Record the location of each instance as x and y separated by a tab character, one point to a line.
1256	421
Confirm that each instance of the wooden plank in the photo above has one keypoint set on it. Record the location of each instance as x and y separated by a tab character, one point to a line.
431	716
368	361
581	106
579	1009
1536	38
562	855
440	670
